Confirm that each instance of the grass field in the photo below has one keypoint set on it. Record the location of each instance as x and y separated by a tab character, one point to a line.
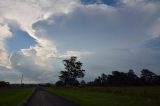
14	96
111	96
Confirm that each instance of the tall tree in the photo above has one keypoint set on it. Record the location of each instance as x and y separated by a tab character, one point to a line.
73	70
104	79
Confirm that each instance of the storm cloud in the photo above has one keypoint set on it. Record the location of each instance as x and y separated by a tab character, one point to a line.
106	37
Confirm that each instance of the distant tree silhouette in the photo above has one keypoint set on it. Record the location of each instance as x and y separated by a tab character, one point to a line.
104	79
147	77
59	83
98	81
132	78
126	79
73	70
131	74
82	83
4	84
157	80
91	83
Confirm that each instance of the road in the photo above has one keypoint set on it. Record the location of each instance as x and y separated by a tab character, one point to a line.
44	98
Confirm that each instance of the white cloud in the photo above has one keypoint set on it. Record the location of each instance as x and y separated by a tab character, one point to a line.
79	30
4	34
102	28
44	71
120	27
45	49
75	53
4	60
27	12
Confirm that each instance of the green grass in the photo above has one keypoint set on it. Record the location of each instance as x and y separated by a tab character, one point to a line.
14	96
111	96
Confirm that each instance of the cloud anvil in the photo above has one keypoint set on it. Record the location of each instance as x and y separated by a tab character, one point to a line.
119	34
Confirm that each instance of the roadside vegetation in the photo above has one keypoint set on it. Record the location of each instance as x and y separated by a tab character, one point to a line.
110	96
73	71
14	96
115	89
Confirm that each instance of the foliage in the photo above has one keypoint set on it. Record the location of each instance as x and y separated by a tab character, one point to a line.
73	70
82	83
4	84
148	77
126	79
59	83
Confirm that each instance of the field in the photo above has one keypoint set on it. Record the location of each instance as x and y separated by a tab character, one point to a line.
14	96
111	96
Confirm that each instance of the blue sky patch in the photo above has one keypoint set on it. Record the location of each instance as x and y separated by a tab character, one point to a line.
154	43
108	2
20	40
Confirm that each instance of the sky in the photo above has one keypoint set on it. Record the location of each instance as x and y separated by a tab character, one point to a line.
105	35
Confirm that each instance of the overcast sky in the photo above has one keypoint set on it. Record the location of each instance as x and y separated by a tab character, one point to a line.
105	35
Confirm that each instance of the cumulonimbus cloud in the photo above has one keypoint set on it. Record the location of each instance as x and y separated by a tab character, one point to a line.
27	12
128	24
4	34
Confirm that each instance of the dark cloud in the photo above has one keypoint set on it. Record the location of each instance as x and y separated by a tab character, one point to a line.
108	2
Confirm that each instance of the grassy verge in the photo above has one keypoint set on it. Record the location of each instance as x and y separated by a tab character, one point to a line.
111	96
14	96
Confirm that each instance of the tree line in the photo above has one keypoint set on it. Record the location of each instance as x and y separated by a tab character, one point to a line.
73	71
118	78
4	84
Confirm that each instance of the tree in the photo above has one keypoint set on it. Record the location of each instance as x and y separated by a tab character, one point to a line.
131	74
129	78
83	83
4	84
64	77
98	81
157	80
59	83
147	77
104	79
73	70
132	78
119	78
101	80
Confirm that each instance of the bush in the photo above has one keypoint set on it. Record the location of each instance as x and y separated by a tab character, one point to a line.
59	83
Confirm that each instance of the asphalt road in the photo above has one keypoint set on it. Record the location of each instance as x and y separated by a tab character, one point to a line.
44	98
